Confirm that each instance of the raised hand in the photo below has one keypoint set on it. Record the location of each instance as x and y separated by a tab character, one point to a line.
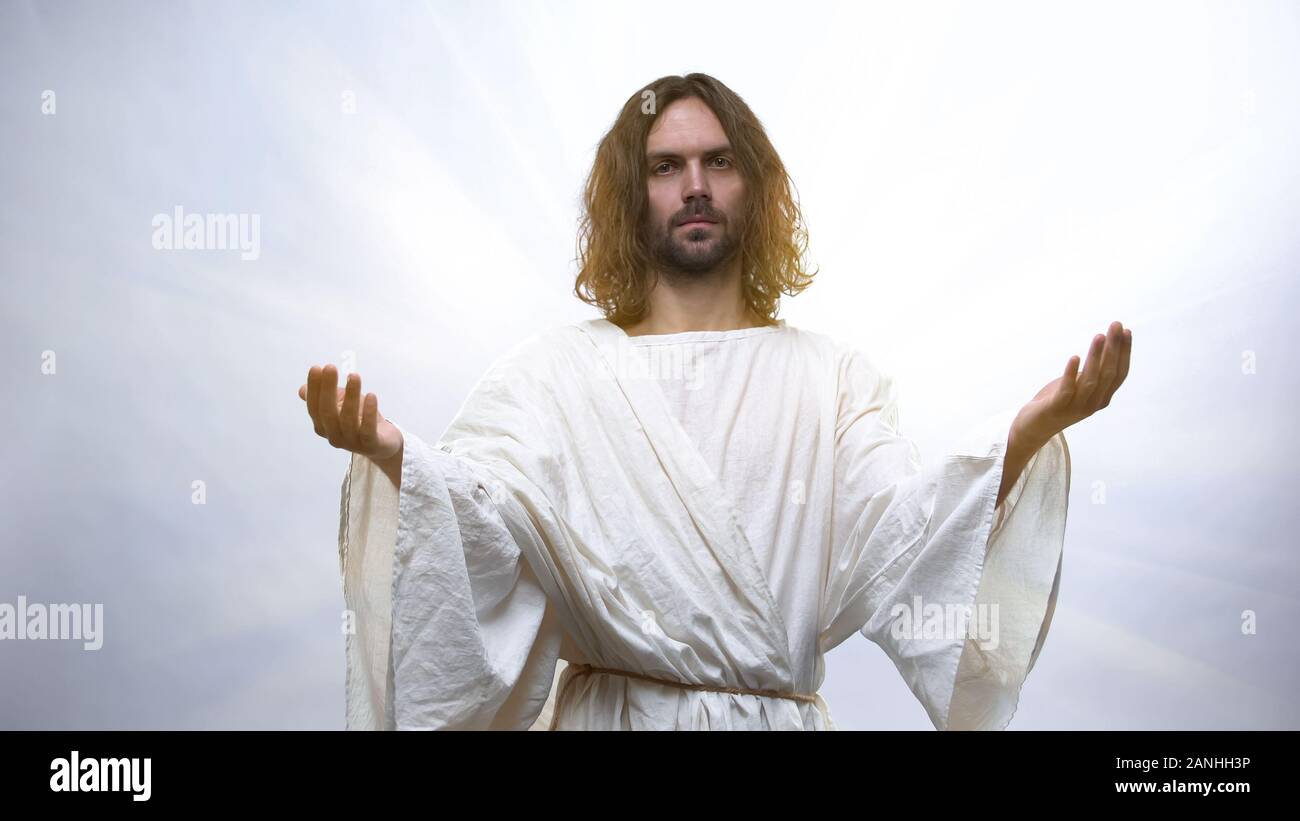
345	419
1072	397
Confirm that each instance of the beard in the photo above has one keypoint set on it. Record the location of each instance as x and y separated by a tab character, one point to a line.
693	252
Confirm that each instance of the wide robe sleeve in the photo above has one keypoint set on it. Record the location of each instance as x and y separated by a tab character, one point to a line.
957	590
448	627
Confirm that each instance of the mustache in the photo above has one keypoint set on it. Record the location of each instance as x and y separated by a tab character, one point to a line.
706	213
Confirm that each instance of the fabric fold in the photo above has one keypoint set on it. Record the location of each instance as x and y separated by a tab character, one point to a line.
957	590
451	628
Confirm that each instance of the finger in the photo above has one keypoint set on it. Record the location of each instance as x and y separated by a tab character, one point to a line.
368	436
1069	382
1128	351
1125	350
350	414
313	388
1088	379
327	404
1109	365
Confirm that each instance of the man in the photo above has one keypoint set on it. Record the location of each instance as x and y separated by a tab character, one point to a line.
689	502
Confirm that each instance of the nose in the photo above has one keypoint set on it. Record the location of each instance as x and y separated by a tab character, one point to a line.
695	184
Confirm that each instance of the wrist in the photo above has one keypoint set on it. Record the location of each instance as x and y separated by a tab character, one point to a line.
387	461
396	455
1025	437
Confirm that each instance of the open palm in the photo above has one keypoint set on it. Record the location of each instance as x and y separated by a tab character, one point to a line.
344	418
1072	396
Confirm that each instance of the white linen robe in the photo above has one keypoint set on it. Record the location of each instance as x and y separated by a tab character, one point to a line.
714	507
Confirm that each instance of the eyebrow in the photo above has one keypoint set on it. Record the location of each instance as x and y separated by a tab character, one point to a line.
656	156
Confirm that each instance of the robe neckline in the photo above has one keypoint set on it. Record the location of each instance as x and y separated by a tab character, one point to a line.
688	336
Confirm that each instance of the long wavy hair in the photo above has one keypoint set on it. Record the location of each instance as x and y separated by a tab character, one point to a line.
614	260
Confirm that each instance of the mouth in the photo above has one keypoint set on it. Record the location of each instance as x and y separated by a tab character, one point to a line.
696	221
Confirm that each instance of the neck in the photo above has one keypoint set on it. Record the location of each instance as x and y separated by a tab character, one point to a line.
708	303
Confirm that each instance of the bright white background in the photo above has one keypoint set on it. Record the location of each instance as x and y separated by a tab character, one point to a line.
986	185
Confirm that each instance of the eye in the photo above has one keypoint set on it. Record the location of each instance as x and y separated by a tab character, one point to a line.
725	160
661	165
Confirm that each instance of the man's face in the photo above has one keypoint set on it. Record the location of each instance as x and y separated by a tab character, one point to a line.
696	193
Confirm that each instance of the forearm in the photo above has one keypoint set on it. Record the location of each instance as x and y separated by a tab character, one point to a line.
392	466
1020	449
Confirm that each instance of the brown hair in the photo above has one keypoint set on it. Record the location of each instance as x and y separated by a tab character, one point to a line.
612	253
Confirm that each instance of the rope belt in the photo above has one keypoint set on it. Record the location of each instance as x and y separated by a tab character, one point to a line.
587	669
